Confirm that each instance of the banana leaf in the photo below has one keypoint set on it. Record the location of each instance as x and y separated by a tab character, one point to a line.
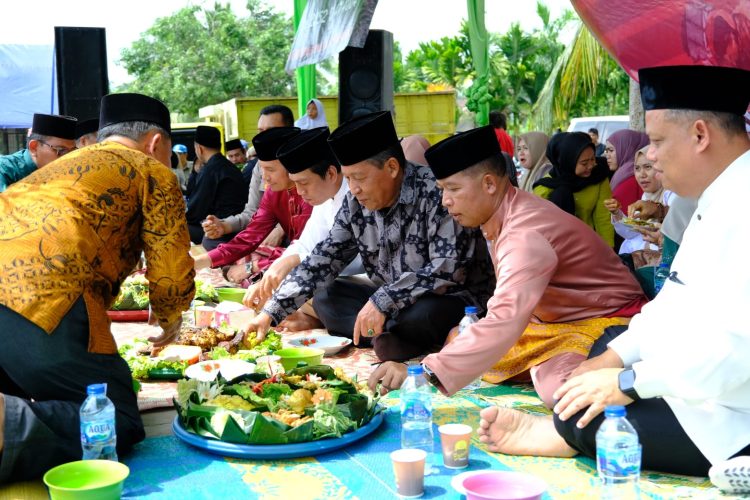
323	371
264	430
232	432
353	406
301	434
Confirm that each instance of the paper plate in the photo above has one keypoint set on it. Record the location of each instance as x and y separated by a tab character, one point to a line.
275	451
230	369
329	343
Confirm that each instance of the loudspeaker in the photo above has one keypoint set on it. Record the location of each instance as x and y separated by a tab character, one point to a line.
82	80
366	77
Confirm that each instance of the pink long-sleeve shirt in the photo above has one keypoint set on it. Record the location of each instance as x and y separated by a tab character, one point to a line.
550	268
283	207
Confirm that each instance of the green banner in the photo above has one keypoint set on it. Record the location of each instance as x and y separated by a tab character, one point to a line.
305	74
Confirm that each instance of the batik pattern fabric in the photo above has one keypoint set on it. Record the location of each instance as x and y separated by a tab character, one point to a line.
540	342
412	248
78	227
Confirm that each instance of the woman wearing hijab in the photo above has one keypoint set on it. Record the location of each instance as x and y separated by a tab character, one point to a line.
314	117
620	153
578	182
652	189
530	154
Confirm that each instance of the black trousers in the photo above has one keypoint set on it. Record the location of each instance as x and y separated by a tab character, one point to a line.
43	378
666	446
414	331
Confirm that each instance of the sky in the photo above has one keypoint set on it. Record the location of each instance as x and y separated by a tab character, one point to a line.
410	21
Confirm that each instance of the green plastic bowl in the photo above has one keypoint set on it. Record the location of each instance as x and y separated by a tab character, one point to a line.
290	356
231	294
86	480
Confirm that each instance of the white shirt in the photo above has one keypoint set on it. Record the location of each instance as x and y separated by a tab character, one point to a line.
691	344
317	228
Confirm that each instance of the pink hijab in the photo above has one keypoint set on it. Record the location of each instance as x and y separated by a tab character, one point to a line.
626	143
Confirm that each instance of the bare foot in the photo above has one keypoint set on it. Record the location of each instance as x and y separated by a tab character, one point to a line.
2	421
515	433
298	321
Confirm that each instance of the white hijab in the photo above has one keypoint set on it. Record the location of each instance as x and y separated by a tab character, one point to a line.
306	123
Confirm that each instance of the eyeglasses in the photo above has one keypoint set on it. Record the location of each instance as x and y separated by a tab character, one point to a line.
59	150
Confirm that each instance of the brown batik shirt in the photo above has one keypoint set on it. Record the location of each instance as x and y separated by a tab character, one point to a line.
78	227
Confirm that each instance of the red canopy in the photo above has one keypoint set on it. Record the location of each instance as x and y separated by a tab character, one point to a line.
644	33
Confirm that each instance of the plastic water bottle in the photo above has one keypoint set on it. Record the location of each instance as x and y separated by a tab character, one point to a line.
660	276
470	317
416	413
618	456
98	436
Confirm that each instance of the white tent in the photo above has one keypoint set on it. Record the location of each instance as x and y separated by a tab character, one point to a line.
27	83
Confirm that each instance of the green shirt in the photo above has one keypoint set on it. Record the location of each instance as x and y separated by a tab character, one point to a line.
15	167
590	208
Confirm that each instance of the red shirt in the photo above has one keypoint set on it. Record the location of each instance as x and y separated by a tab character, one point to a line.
627	192
283	207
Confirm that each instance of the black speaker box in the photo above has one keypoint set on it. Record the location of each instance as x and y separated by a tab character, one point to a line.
366	77
82	80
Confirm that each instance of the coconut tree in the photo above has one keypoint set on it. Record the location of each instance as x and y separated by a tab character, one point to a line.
584	80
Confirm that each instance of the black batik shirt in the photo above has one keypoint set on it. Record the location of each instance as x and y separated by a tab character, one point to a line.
412	248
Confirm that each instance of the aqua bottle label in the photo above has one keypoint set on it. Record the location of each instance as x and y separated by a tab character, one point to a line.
94	432
415	410
620	462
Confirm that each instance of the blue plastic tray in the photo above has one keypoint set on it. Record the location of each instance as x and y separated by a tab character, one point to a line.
274	451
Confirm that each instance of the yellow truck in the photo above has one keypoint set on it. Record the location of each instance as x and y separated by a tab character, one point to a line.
431	114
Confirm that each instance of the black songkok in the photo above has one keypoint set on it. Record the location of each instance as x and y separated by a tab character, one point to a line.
461	151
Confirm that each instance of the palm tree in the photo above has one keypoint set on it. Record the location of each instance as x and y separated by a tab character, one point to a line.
582	68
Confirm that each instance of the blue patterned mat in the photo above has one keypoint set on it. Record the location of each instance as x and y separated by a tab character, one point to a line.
165	467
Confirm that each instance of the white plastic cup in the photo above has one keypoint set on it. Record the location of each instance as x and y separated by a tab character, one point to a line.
408	467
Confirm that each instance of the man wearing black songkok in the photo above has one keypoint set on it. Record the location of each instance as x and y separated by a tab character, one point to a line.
219	187
70	233
51	137
423	267
680	369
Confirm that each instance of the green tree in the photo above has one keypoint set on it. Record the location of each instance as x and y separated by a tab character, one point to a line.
520	62
445	62
200	56
585	81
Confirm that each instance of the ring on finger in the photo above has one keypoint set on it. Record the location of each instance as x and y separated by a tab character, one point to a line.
370	332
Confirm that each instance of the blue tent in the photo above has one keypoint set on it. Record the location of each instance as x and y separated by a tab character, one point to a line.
27	83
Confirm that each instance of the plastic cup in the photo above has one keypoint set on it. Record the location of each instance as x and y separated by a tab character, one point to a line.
408	467
204	316
455	440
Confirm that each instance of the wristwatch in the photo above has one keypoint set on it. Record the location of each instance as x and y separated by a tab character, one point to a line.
430	375
625	380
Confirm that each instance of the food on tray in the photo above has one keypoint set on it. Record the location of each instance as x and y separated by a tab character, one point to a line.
305	404
133	294
142	364
173	352
645	224
206	337
172	361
